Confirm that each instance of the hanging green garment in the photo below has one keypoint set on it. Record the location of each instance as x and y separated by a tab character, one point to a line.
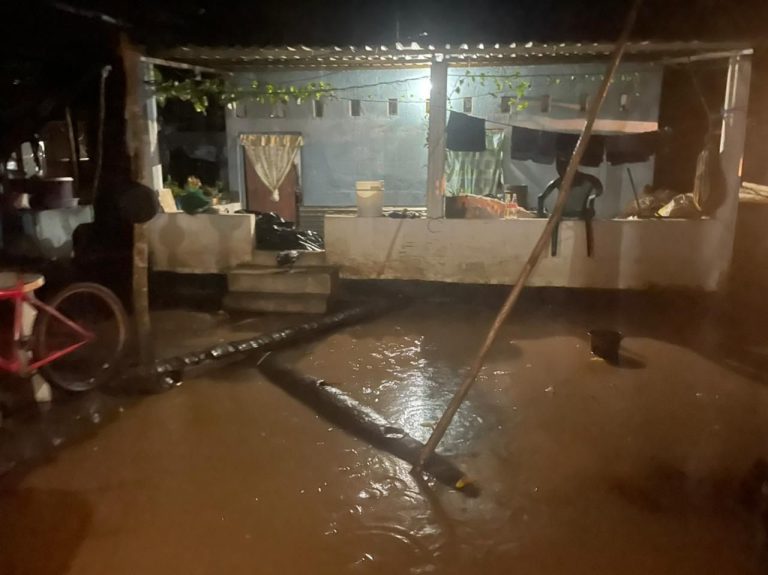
475	173
194	202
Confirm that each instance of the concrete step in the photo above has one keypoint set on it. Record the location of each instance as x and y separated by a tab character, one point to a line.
318	281
276	303
268	258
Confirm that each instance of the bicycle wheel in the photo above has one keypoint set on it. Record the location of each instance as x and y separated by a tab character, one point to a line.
95	309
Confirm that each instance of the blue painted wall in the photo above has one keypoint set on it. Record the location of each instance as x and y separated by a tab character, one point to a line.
340	149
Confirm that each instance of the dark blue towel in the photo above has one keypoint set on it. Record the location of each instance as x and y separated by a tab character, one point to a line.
465	133
631	148
535	145
593	156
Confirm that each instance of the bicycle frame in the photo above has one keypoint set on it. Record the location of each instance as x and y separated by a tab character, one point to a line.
15	364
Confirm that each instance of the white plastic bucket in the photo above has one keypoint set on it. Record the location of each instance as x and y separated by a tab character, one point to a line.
370	199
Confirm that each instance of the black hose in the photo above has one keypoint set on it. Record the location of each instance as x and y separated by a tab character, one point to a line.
276	340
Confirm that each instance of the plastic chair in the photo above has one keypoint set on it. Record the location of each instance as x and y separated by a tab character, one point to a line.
580	205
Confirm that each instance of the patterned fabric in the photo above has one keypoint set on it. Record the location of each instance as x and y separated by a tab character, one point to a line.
475	173
272	156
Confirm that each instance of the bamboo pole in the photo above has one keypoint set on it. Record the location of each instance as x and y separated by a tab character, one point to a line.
541	244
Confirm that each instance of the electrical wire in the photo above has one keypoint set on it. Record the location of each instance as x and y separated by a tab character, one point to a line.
591	76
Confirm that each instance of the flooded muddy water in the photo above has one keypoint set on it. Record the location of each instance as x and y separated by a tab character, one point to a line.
584	467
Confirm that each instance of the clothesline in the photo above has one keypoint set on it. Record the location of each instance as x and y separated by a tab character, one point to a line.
487	121
467	133
482	76
505	124
495	122
399	101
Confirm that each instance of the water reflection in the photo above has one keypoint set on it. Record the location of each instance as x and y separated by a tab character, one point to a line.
37	433
585	467
546	466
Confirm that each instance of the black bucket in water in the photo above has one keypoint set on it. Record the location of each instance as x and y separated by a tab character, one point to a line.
605	344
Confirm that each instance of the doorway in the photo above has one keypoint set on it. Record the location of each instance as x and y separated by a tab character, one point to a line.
259	196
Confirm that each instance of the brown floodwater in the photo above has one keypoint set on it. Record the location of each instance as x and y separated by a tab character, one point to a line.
584	467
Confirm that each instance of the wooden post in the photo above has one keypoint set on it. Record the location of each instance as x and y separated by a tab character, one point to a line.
438	104
141	294
732	137
100	131
138	144
152	150
140	118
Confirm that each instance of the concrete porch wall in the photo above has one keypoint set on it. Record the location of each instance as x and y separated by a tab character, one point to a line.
629	254
202	243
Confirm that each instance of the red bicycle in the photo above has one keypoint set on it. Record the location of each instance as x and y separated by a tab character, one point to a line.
77	340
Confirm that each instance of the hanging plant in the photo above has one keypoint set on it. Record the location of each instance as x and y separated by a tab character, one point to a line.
201	92
504	85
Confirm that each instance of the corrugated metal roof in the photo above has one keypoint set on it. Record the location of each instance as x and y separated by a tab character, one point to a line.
415	54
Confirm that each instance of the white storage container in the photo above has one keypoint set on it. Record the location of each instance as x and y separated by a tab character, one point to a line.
370	198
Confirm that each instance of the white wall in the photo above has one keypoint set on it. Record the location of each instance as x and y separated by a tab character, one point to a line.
633	254
201	243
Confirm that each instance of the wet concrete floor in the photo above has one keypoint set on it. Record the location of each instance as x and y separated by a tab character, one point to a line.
585	467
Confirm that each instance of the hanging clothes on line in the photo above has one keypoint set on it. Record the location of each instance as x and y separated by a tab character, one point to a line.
566	143
523	143
631	148
593	155
476	173
465	133
546	151
535	145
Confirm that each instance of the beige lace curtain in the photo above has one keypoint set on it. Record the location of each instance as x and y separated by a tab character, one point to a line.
272	156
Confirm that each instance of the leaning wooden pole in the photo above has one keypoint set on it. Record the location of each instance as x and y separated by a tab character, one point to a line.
541	244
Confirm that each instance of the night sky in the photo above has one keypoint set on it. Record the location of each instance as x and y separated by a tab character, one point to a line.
262	22
358	22
48	40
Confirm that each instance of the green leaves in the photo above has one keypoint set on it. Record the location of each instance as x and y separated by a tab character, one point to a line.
201	92
503	84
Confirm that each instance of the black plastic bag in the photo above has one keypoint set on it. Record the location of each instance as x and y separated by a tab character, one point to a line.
275	233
